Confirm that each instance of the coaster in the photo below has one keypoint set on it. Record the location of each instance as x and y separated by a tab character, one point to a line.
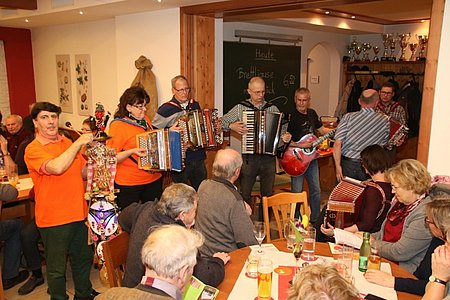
283	271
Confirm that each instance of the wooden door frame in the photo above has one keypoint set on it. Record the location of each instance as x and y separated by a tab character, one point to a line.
198	44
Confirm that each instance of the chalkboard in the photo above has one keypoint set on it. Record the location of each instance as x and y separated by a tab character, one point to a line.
278	65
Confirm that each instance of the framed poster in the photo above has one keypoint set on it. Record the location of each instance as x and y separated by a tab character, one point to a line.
83	82
64	83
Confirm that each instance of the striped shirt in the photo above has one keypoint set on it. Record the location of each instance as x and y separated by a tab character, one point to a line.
360	129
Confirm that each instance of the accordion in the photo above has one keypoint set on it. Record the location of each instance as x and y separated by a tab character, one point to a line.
201	129
397	134
342	200
164	150
263	132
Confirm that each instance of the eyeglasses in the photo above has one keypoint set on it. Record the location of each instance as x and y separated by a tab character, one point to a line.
386	93
185	90
258	92
139	106
428	222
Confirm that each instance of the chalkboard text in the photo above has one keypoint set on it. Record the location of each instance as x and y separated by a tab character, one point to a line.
264	55
252	72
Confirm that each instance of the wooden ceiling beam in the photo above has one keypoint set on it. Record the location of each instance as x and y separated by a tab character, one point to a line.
19	4
235	7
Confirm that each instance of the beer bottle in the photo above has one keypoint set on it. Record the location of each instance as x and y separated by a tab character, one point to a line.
364	252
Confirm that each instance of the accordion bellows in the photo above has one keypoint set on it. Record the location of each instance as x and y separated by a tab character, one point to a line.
344	195
164	150
201	129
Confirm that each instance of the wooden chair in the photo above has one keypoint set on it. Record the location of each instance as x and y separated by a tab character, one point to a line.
283	207
115	255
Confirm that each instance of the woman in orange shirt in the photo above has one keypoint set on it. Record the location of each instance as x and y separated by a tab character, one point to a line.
135	185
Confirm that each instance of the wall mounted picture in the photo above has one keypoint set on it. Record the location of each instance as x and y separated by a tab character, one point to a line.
64	83
83	83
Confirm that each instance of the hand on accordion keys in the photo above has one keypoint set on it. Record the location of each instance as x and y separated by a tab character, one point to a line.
176	127
239	127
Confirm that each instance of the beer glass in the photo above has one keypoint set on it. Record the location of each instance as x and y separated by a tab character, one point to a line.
265	269
374	261
309	244
344	262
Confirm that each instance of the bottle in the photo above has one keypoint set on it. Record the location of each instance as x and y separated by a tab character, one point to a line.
364	252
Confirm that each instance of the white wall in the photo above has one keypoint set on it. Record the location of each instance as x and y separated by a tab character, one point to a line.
438	158
114	45
94	38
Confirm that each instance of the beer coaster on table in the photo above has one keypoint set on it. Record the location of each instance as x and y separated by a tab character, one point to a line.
283	271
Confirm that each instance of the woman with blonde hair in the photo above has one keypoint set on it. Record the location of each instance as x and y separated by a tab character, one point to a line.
321	282
404	237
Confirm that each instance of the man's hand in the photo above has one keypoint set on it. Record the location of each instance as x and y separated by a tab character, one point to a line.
286	137
380	278
339	174
3	144
176	127
223	256
239	127
84	139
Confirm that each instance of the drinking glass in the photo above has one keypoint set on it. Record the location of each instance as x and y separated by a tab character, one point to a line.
344	262
265	269
13	179
309	244
374	261
289	233
260	233
251	269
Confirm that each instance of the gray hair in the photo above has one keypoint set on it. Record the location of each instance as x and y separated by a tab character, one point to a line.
176	78
169	248
17	117
369	96
226	162
177	198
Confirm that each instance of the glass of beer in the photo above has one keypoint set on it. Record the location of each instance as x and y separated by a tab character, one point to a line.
309	244
374	259
265	269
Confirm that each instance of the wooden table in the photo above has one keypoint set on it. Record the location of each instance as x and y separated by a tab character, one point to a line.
238	257
22	207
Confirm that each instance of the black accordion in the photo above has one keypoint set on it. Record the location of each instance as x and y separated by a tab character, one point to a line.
201	129
263	132
165	150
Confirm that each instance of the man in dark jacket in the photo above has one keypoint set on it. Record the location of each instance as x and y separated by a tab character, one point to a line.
178	205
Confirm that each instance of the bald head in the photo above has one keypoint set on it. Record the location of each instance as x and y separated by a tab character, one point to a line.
226	162
369	98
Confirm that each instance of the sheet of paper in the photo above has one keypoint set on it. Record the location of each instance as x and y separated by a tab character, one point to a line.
24	184
348	238
265	247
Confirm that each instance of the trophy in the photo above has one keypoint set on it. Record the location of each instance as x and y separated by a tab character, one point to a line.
376	49
365	48
423	40
403	42
392	47
358	52
387	38
413	48
353	46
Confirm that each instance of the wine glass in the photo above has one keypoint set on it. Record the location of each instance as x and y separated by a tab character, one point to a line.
260	233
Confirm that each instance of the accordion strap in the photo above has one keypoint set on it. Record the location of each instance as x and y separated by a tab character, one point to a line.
383	194
248	104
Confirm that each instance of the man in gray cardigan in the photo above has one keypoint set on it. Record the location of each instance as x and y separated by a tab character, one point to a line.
222	215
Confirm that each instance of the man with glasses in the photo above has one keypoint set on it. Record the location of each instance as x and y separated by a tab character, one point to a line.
167	116
393	109
254	164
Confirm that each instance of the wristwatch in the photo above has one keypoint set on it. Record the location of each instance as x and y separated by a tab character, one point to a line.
434	279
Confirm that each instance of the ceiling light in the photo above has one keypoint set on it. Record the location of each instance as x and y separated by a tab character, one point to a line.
26	20
81	12
159	1
327	12
353	17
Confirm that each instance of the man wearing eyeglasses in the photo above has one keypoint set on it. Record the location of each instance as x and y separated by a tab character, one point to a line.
167	116
254	164
388	106
392	109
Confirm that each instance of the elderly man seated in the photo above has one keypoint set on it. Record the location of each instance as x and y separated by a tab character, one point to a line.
178	205
169	255
223	217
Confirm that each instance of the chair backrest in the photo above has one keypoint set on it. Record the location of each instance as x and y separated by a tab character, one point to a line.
115	255
283	207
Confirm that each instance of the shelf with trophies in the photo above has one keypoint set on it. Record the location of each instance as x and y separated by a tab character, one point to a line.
401	61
